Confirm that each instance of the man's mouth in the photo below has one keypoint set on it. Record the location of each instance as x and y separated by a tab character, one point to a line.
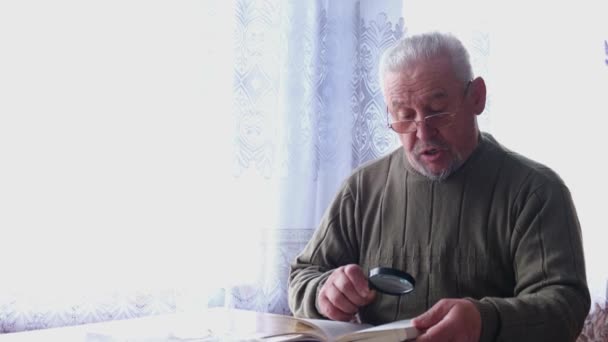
430	152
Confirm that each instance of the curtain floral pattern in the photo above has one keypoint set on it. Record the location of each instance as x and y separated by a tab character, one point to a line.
308	109
28	312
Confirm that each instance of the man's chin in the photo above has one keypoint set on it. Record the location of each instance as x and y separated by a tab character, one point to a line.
434	173
437	176
437	170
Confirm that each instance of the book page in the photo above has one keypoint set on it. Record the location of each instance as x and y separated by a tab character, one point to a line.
287	328
403	324
333	329
394	331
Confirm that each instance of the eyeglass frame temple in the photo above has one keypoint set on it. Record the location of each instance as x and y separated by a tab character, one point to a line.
388	123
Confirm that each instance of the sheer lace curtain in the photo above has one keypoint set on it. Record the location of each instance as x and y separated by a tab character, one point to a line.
162	156
308	110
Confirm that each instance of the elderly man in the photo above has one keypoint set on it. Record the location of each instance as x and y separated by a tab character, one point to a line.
492	238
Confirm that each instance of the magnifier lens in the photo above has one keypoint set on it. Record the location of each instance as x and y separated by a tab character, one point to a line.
391	281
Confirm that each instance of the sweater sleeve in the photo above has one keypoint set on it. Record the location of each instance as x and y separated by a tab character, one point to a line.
551	298
332	245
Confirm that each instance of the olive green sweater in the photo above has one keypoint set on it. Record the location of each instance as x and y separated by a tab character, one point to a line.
501	231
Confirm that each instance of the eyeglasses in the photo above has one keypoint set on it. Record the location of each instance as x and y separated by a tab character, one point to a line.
433	121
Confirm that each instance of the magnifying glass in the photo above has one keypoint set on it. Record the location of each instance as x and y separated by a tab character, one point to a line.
391	281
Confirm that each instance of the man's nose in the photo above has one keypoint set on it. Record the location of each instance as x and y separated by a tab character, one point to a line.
424	132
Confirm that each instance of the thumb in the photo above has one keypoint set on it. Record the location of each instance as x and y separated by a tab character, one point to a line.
371	295
432	316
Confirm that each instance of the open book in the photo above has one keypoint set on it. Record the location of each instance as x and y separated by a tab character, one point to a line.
304	329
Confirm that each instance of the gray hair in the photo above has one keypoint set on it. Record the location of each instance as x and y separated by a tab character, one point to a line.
422	47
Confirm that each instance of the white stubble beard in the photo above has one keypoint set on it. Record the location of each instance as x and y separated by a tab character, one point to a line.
455	161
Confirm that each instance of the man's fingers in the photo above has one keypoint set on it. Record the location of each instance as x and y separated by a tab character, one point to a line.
450	320
433	315
344	292
439	332
331	311
346	286
370	297
340	300
356	276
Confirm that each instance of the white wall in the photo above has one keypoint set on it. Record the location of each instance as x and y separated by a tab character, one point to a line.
110	142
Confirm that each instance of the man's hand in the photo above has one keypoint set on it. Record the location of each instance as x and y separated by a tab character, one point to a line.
344	292
455	320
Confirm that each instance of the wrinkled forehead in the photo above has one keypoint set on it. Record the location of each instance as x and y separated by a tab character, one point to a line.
427	82
400	91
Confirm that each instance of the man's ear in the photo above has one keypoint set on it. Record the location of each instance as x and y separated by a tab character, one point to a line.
478	95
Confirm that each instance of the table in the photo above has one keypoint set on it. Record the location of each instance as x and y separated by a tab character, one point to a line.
215	324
